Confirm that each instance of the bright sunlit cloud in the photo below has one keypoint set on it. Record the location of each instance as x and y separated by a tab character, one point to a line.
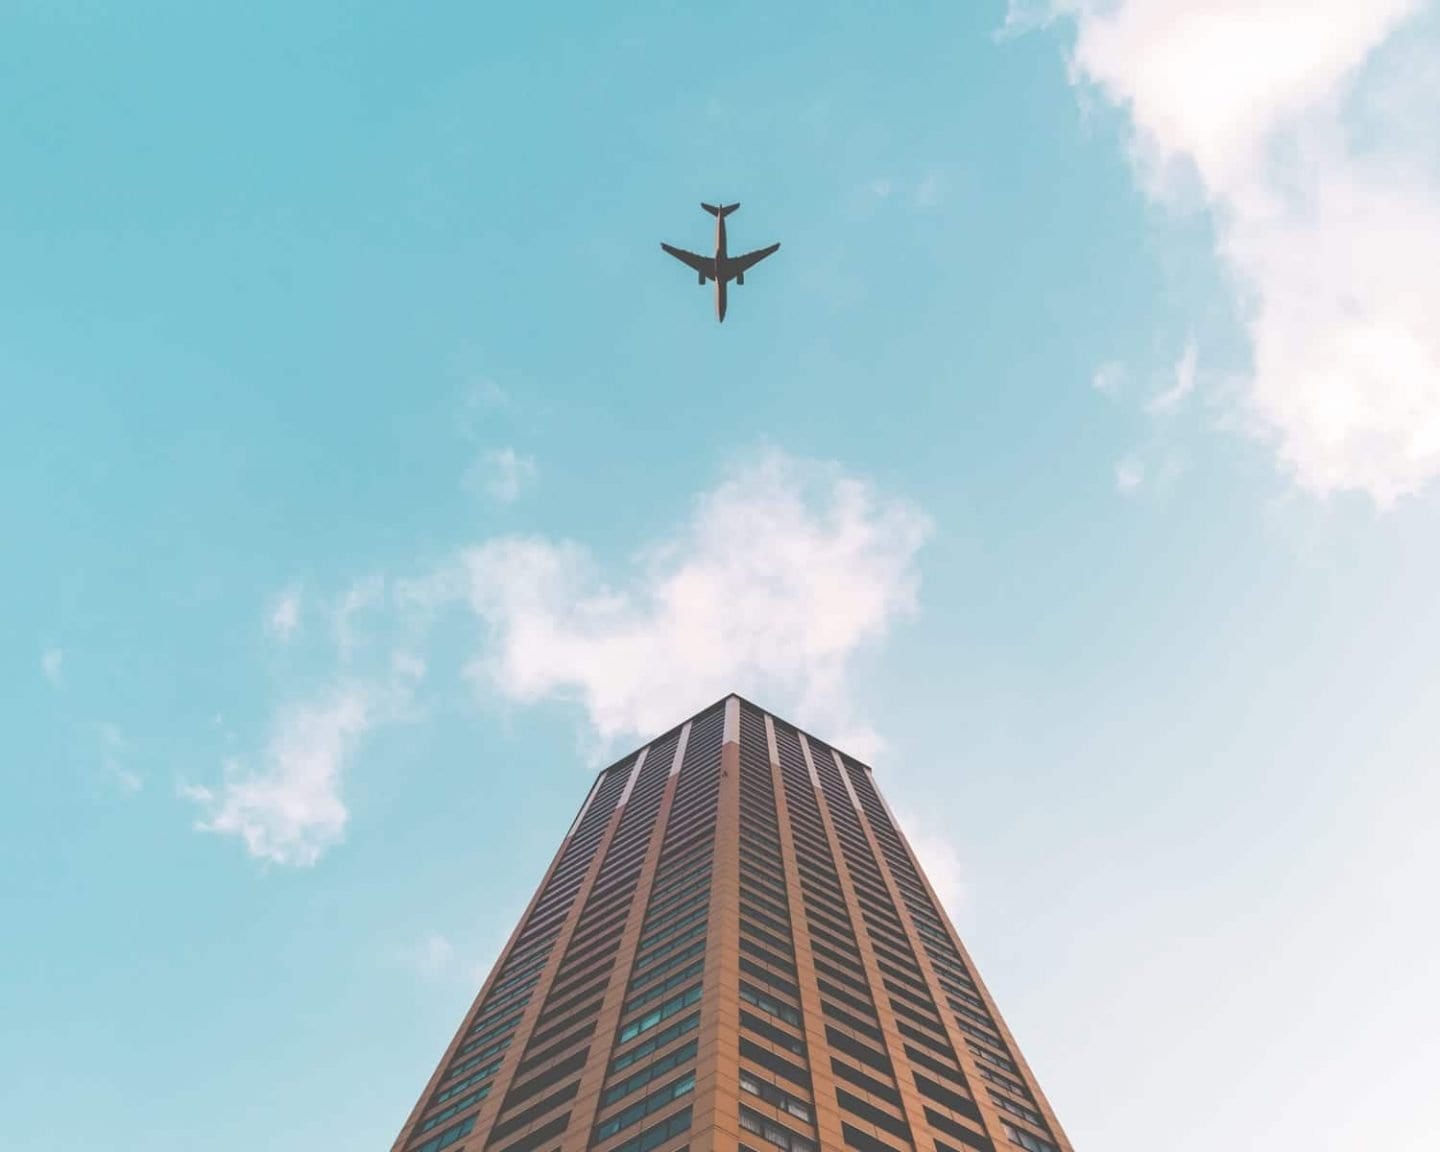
289	808
1332	231
782	575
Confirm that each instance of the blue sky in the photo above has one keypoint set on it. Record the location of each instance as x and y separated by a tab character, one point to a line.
369	475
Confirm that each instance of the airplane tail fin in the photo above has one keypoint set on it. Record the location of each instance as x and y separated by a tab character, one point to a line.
720	211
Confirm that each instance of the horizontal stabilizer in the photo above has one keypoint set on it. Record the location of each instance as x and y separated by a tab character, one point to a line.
720	210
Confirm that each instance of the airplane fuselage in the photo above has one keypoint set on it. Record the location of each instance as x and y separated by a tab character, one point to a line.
720	268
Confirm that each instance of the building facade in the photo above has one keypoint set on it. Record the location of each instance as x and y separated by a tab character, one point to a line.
734	950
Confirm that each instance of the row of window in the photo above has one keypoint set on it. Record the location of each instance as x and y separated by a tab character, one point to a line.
479	1058
879	1117
666	966
491	1047
657	1015
545	1080
533	960
772	1094
645	961
555	1008
1004	1082
1027	1140
455	1109
657	1134
538	1138
469	1082
670	926
560	1027
664	987
769	1004
763	913
775	1133
545	1055
661	1067
864	1082
777	1036
766	894
574	975
1027	1114
685	882
488	1023
774	1062
655	1043
657	1100
942	1068
446	1138
515	1121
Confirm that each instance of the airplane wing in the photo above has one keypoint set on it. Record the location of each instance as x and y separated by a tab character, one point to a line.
738	264
705	265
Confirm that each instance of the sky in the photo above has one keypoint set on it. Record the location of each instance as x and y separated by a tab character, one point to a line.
370	478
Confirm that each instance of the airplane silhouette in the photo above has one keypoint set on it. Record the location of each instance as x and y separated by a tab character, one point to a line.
722	267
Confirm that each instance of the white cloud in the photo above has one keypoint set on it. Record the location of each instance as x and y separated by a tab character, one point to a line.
1316	154
483	399
1129	475
780	577
52	666
929	192
501	475
1171	399
284	616
433	956
938	860
290	810
783	573
1109	378
361	596
112	759
408	667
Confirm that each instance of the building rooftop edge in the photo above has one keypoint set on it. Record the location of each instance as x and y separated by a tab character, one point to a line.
716	704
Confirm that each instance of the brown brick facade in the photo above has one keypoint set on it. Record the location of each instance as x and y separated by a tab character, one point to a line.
734	950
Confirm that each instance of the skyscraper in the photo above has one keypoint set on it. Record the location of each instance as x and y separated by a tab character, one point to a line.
734	950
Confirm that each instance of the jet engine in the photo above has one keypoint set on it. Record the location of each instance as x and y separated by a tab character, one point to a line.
702	278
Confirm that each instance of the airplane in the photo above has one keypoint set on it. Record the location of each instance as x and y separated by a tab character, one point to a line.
722	267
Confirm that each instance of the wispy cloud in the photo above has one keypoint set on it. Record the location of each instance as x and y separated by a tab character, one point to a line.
52	667
1129	475
1183	383
113	749
780	577
1156	463
502	475
361	596
783	573
434	956
284	616
929	192
1109	378
1316	156
289	809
